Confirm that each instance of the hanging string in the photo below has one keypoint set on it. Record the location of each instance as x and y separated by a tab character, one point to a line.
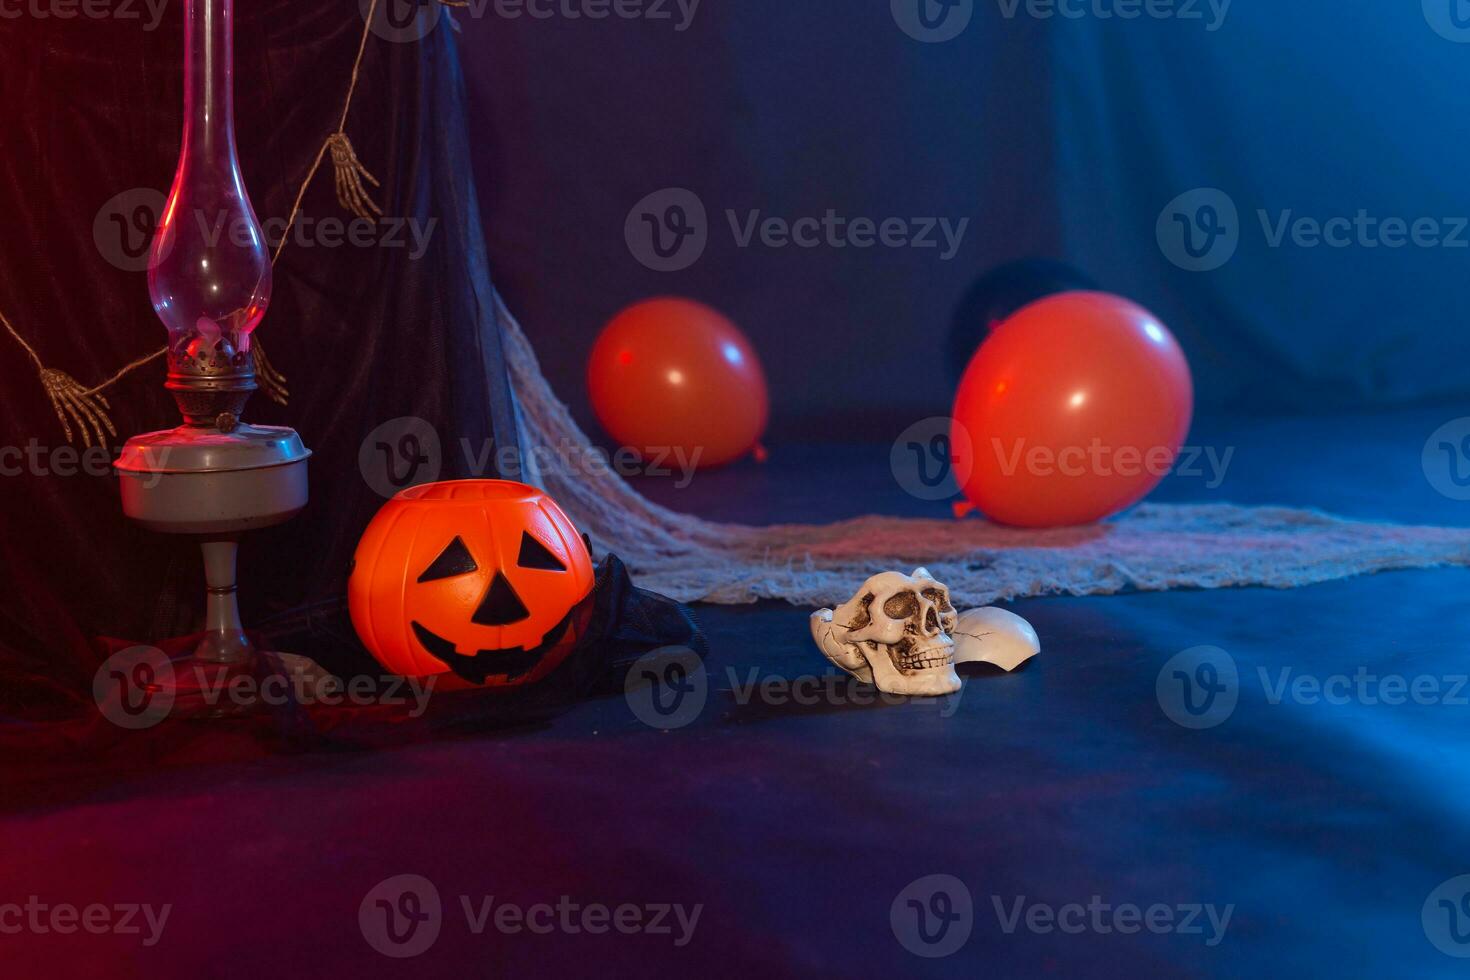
73	404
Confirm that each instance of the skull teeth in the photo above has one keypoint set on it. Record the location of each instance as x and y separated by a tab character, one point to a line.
923	659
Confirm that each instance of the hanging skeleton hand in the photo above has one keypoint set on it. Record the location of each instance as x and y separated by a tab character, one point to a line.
74	404
349	173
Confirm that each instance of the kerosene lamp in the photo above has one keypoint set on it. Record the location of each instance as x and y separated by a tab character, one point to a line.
209	277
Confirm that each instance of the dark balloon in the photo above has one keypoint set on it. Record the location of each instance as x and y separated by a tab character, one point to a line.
999	293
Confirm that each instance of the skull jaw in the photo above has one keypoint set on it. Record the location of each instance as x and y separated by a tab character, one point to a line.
933	681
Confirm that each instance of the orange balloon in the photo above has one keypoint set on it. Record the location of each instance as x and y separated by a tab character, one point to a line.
672	374
1073	409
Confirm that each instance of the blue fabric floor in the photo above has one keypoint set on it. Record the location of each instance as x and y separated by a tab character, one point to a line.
807	832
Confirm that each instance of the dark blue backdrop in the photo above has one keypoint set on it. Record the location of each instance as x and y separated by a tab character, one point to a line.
1070	135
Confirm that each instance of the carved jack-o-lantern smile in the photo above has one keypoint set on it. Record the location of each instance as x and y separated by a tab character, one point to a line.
500	607
484	578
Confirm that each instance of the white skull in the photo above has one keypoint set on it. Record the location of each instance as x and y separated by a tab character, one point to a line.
896	634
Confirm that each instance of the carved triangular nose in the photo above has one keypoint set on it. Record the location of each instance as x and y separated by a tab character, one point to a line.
501	605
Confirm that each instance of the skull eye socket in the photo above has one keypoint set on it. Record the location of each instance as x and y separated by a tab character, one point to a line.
940	598
901	606
454	560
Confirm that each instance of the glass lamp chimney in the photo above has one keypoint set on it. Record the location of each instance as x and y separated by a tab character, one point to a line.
209	272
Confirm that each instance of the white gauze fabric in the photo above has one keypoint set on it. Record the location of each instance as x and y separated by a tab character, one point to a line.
1152	547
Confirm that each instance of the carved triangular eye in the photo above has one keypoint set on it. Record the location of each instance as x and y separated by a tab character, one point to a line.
534	554
455	560
501	606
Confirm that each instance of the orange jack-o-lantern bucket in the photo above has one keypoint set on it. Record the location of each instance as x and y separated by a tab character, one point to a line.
482	578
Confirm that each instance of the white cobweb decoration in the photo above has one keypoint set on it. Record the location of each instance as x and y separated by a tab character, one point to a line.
1153	547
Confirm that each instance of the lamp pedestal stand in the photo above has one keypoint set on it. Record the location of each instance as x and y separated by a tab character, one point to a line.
214	478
